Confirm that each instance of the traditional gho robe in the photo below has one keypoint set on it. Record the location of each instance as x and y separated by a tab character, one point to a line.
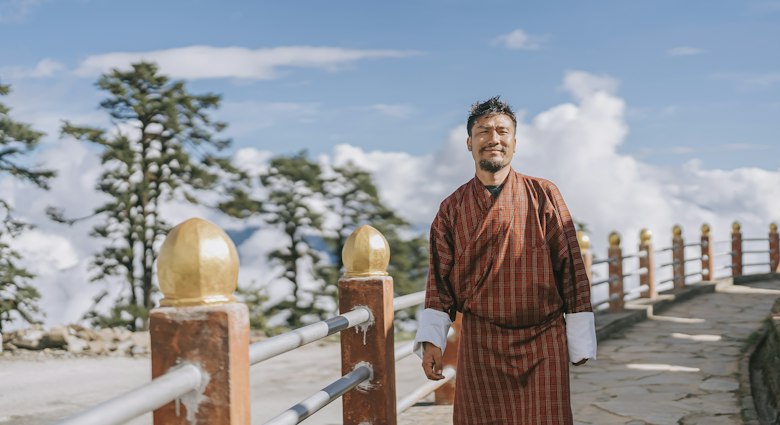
512	265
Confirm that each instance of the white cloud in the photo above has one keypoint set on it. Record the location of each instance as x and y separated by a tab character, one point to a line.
519	39
395	111
583	85
685	51
44	68
576	145
195	62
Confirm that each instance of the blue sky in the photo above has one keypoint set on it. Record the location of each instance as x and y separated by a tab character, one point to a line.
700	79
646	114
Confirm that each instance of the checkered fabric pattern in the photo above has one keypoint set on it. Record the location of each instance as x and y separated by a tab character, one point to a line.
512	265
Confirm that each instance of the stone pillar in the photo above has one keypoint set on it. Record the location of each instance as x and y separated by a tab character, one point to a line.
707	264
365	283
615	266
446	393
736	250
200	323
646	261
587	256
678	257
774	249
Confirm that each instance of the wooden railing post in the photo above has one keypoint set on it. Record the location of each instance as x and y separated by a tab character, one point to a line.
365	283
446	393
678	257
736	249
646	261
587	256
774	249
707	265
200	323
616	291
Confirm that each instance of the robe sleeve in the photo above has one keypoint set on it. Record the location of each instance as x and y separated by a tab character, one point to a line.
571	278
570	275
438	291
440	310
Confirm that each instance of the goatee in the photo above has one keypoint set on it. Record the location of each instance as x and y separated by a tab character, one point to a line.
491	165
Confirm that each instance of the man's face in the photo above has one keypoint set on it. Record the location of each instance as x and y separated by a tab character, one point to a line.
492	142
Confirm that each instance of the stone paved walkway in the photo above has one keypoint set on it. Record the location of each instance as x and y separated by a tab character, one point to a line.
676	368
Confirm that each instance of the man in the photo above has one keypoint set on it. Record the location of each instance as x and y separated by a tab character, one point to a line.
504	253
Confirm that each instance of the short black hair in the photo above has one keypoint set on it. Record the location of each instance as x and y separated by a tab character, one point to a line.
492	106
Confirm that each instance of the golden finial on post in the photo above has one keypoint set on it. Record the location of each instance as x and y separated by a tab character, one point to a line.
198	265
365	253
705	229
772	227
645	235
584	240
614	239
735	227
677	231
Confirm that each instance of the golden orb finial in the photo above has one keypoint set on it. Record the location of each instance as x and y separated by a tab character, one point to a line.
614	240
584	240
705	229
198	265
772	227
735	227
365	253
677	231
645	235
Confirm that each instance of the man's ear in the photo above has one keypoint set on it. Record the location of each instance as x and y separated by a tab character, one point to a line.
468	143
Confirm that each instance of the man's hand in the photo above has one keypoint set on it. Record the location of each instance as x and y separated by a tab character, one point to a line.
431	362
581	362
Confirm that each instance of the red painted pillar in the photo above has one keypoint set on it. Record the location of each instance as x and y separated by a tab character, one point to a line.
365	283
587	255
200	323
736	249
707	265
446	393
678	257
774	249
616	291
646	261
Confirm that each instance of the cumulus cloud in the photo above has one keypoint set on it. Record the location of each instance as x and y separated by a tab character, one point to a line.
197	62
519	39
44	68
576	144
685	51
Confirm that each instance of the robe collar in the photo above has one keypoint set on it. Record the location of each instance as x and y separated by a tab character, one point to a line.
485	199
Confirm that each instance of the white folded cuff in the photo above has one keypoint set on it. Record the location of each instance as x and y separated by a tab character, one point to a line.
581	333
433	328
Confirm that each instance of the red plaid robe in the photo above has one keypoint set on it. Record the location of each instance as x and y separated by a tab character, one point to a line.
512	266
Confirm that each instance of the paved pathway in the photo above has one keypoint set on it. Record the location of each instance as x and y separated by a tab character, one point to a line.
676	368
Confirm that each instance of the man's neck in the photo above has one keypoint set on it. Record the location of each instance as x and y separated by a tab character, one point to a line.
493	179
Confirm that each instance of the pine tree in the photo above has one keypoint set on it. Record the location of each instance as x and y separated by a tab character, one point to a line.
292	183
18	298
354	199
164	146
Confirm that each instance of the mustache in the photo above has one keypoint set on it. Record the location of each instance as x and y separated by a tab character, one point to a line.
493	148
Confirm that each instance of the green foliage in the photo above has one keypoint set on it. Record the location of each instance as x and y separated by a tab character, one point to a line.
18	297
255	298
292	182
354	199
164	146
